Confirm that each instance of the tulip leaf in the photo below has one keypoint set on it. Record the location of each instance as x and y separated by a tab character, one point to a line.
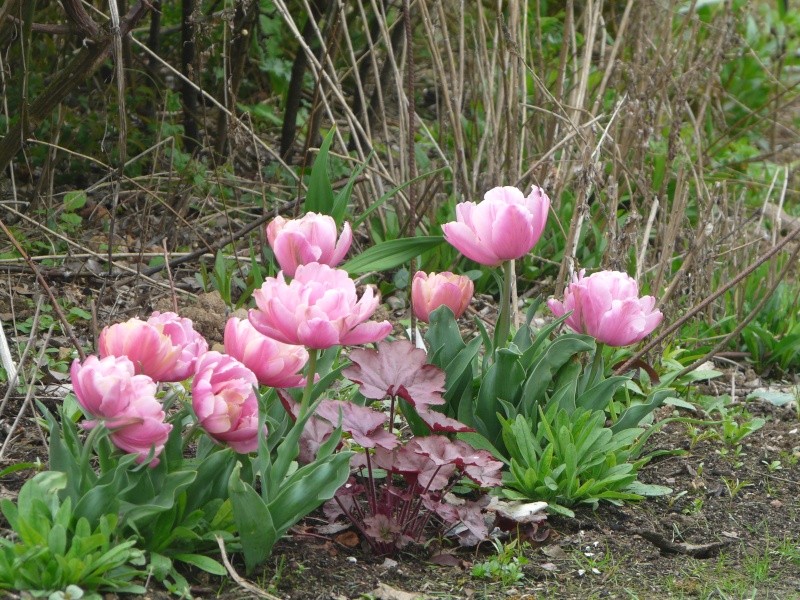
320	191
253	521
390	254
206	563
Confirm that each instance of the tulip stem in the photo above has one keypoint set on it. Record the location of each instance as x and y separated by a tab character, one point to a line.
597	363
88	445
310	372
504	318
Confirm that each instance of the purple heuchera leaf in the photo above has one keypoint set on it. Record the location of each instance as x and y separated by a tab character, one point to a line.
365	425
479	465
466	518
439	422
397	369
414	467
361	422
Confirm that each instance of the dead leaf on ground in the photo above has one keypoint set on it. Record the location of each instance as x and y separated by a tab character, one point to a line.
348	539
387	592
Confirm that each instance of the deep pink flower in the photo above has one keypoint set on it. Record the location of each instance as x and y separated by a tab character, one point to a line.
274	363
430	291
318	309
311	238
125	403
224	400
505	226
181	333
607	306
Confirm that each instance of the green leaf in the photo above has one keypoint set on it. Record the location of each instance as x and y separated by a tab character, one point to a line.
343	197
647	489
74	200
320	191
253	521
389	254
207	564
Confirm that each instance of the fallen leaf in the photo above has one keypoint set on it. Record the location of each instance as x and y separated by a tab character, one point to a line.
348	539
556	552
445	559
386	592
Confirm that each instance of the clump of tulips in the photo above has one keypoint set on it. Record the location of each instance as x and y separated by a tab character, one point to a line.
256	415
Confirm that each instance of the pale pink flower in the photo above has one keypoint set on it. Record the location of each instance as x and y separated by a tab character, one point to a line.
149	349
311	238
109	391
224	400
505	226
165	347
430	291
181	333
607	306
144	431
274	363
318	309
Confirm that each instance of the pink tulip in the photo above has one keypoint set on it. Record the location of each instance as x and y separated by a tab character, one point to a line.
125	403
606	305
430	291
505	226
151	351
165	347
318	309
311	238
224	400
181	333
274	364
145	430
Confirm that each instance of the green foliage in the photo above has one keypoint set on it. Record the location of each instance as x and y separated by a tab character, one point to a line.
537	408
573	458
288	492
772	338
56	548
505	567
173	511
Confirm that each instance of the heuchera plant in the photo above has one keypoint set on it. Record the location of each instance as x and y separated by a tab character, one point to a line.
400	491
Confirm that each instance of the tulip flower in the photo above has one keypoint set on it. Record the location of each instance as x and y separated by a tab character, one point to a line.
165	347
318	309
274	364
430	291
151	351
181	333
109	391
505	226
224	400
607	306
312	238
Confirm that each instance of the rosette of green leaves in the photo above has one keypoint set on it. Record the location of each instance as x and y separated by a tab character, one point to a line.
55	548
175	510
570	457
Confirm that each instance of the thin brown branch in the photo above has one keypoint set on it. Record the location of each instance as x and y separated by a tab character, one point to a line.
53	301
